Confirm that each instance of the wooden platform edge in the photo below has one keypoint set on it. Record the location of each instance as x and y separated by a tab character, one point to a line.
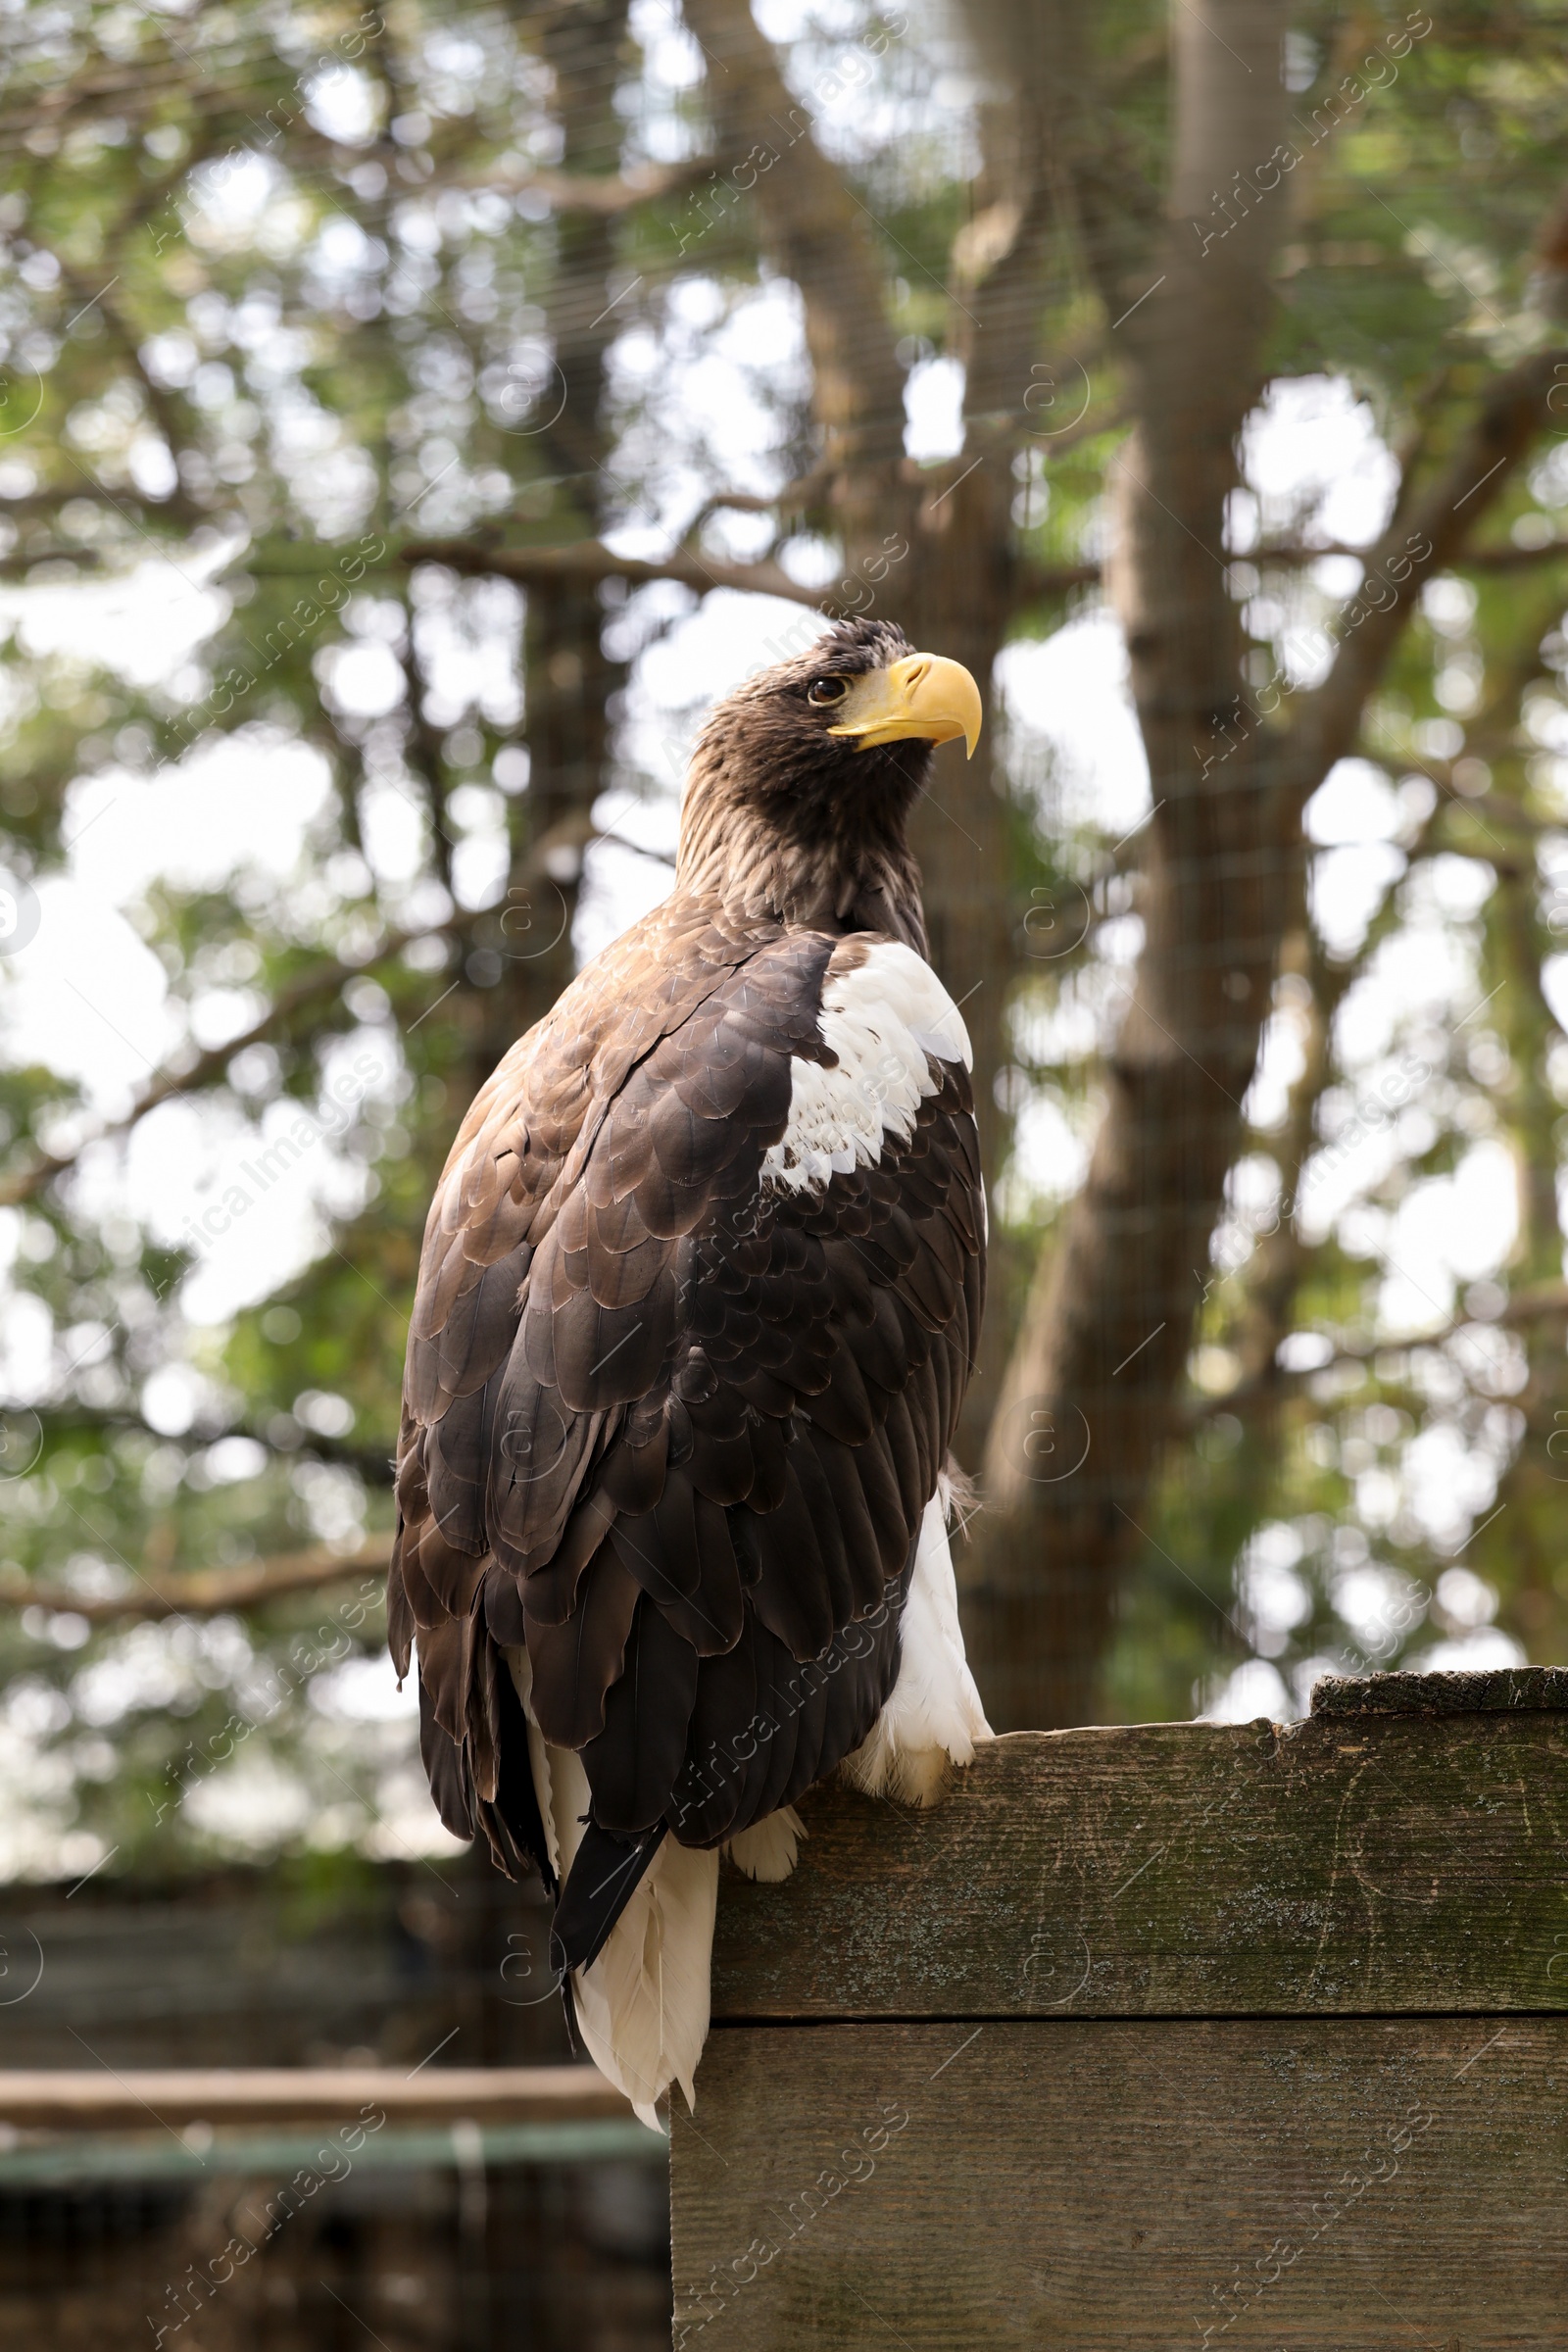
1497	1691
1390	1860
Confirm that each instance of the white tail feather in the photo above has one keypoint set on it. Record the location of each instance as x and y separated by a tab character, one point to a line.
641	2004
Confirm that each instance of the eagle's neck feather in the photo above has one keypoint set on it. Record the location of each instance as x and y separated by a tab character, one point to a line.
805	877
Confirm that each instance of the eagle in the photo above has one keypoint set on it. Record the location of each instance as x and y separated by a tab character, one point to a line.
698	1301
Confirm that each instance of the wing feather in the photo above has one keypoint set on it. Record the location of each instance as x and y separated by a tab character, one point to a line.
672	1425
574	1663
634	1764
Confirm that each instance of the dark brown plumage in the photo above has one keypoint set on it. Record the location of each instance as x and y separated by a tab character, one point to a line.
672	1423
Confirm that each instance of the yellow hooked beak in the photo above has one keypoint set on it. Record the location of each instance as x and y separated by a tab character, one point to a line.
924	695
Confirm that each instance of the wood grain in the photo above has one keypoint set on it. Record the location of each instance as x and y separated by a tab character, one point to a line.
1261	2186
1371	1865
1484	1690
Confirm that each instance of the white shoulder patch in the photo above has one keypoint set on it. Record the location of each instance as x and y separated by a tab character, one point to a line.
888	1021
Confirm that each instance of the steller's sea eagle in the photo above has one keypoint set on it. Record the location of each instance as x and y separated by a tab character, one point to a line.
697	1303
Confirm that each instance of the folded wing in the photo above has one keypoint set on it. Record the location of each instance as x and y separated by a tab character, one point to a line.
694	1318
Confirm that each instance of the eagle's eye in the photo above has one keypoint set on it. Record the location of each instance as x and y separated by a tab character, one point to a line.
823	692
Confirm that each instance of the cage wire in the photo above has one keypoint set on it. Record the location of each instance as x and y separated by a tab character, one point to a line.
411	419
288	2233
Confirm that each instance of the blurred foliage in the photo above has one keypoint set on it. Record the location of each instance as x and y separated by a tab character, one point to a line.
284	288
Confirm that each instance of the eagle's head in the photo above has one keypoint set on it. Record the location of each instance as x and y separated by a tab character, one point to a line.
802	780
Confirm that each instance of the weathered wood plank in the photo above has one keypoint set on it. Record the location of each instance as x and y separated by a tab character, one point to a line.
1489	1690
1256	2184
1375	1864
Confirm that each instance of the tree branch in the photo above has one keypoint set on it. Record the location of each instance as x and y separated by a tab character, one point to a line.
1541	1303
1036	581
606	197
208	1592
1438	522
820	238
1272	1278
589	560
323	981
372	1464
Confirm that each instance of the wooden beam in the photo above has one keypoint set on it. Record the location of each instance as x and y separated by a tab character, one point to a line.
1490	1691
1315	2184
1373	1862
143	2097
1041	2065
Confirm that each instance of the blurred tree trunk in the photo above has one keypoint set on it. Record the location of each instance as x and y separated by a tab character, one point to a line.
1092	1388
1519	1545
568	679
1090	1394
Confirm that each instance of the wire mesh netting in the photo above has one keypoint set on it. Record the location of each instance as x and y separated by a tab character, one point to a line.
465	2236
